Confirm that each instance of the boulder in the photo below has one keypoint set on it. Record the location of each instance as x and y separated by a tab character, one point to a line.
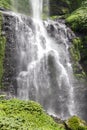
75	123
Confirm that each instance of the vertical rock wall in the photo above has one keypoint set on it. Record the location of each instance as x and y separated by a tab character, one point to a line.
10	60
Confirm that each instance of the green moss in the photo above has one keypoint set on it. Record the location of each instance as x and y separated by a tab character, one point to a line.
76	57
2	50
83	52
2	97
75	123
78	22
79	55
25	115
75	49
5	4
78	19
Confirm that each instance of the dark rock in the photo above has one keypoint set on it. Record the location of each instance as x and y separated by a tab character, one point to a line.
57	120
11	60
2	9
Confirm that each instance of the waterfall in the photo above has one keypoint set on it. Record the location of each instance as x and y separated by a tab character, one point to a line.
37	7
44	70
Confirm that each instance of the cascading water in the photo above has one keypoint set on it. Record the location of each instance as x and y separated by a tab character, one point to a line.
44	71
37	7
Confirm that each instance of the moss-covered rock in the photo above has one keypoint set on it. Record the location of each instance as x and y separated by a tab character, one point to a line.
78	22
75	49
4	4
78	19
79	55
75	123
25	115
2	49
83	52
76	58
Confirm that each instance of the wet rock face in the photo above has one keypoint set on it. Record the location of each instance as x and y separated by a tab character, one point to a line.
55	30
11	57
80	86
10	60
81	98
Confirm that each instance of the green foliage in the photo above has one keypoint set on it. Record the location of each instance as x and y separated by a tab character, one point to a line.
78	19
83	47
5	4
62	7
79	54
2	97
25	115
21	6
78	22
76	57
75	123
83	52
75	49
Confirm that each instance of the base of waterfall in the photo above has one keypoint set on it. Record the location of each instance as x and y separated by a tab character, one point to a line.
28	115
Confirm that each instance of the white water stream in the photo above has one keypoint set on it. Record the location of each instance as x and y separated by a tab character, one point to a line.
45	72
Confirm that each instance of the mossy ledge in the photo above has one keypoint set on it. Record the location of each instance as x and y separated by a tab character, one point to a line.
75	123
16	114
25	115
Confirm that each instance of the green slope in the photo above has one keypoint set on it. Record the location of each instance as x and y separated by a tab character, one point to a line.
25	115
